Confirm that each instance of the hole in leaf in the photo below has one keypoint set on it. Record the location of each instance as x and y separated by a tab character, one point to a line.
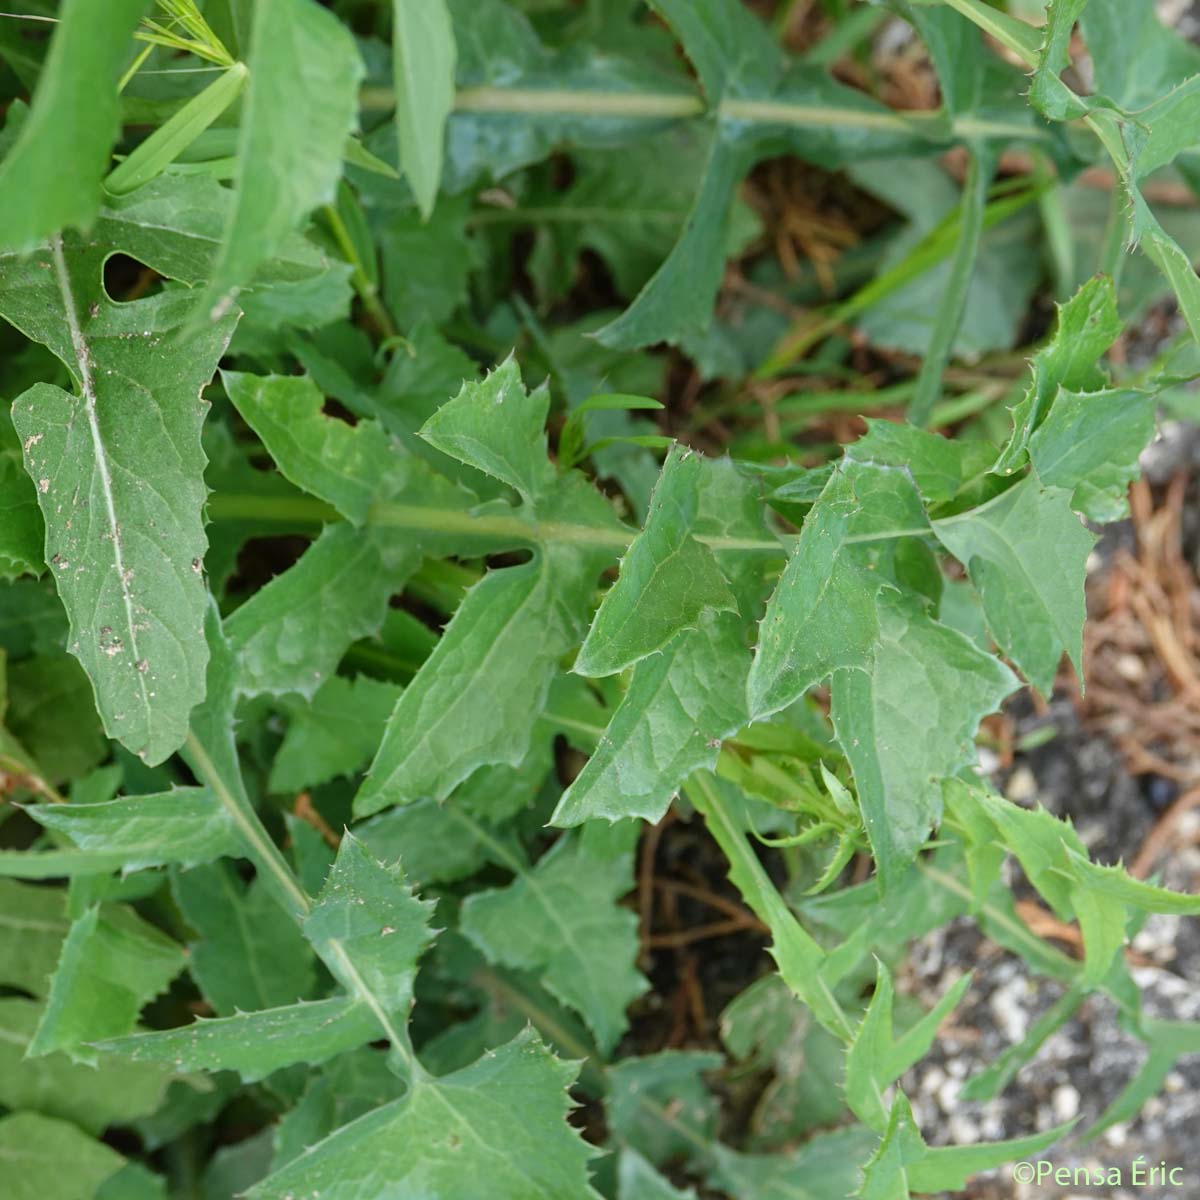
126	279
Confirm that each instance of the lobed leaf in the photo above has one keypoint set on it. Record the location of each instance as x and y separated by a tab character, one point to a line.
370	929
292	633
561	919
119	475
1026	553
822	615
668	583
1089	444
334	735
502	1118
111	963
877	1058
908	721
249	954
346	465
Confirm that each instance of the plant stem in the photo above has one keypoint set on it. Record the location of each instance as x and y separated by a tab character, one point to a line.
1023	40
796	952
508	531
268	858
600	105
261	847
363	285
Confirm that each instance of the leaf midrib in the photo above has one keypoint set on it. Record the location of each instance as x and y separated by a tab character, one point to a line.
87	387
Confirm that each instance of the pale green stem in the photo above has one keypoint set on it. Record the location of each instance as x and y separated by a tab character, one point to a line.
267	857
508	531
1023	40
675	106
363	285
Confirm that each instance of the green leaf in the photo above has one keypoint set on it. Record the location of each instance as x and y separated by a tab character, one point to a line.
249	954
22	533
825	1168
668	1082
441	842
1087	325
427	264
823	614
335	735
43	1158
678	299
624	204
1089	444
1026	553
346	465
501	1119
497	427
459	714
119	474
185	825
903	1161
682	701
942	468
1048	94
877	1058
1035	836
52	715
94	1098
348	1088
796	952
74	119
371	929
291	634
908	721
174	225
33	923
509	110
1116	884
255	1044
679	705
111	964
1136	57
423	58
477	697
1056	863
562	920
299	106
638	1180
669	581
731	50
169	141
